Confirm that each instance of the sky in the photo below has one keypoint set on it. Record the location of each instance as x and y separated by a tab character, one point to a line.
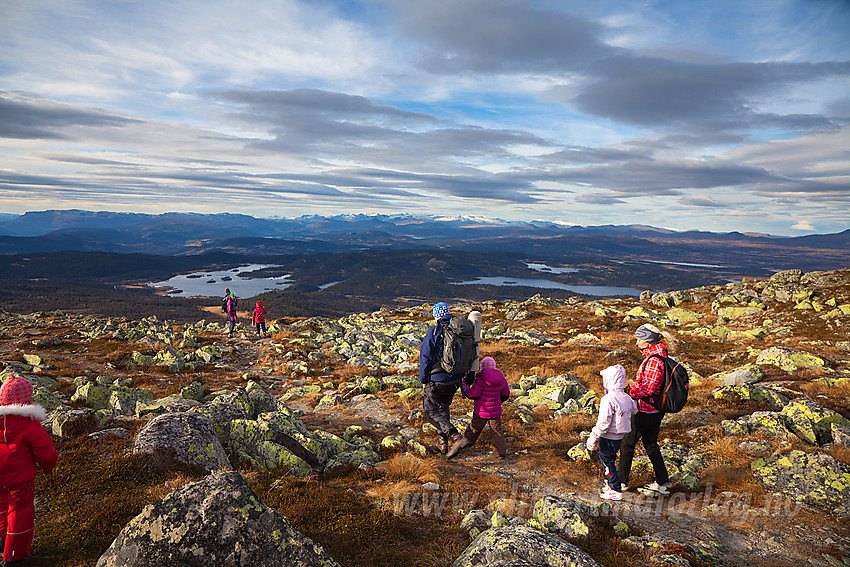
682	114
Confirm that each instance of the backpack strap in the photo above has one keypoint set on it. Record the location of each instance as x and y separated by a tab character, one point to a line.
655	399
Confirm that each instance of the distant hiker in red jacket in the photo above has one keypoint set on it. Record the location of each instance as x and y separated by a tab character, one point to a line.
23	443
258	319
489	390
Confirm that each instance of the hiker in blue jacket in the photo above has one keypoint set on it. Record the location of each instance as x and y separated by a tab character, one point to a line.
438	387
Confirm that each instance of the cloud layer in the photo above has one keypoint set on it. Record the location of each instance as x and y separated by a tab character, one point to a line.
610	113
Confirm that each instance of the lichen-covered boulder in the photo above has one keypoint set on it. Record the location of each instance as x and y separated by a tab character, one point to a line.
62	421
730	313
401	383
789	359
277	439
816	480
578	452
92	395
563	516
644	313
679	316
139	358
749	374
216	521
787	276
753	393
522	545
194	391
261	401
187	438
584	339
222	415
811	421
123	400
169	404
769	423
238	397
45	398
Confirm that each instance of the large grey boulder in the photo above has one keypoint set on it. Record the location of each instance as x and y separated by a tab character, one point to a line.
749	374
216	521
522	546
187	438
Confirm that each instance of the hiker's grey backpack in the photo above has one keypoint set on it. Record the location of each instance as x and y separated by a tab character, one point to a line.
459	347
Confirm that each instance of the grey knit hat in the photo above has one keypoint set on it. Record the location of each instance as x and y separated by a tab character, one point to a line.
648	333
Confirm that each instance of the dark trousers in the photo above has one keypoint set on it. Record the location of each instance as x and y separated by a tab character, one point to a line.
261	326
497	436
608	455
232	324
645	426
17	519
436	402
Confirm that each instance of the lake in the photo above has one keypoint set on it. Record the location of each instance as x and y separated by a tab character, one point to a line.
213	283
549	269
597	290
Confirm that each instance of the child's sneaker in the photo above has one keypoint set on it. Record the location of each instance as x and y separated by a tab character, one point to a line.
662	489
610	494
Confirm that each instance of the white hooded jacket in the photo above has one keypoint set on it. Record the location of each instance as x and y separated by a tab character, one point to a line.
615	409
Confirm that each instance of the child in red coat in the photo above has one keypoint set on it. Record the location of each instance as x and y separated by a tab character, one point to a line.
258	319
489	390
23	443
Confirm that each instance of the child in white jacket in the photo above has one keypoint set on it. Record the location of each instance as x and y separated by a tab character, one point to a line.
615	420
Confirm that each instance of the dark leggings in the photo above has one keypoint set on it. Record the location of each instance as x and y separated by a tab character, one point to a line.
645	426
436	402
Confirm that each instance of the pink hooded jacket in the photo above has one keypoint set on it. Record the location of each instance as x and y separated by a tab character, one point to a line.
615	409
488	390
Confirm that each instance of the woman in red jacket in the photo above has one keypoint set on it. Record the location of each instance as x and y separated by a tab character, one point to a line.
23	443
489	391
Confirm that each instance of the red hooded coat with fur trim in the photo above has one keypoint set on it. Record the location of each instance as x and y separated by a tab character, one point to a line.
23	443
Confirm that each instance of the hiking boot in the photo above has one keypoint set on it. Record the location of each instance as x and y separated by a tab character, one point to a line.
441	447
457	446
610	494
662	489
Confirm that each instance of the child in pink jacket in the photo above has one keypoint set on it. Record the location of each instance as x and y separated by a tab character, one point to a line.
616	410
23	443
489	390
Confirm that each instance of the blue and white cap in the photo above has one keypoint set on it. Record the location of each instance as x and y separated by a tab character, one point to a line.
441	310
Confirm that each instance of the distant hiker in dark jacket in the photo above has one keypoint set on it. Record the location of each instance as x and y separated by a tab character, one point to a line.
646	423
258	318
489	390
23	443
230	309
439	387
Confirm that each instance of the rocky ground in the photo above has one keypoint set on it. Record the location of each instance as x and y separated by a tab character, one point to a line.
760	456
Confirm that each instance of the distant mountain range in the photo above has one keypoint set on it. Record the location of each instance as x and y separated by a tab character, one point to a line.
173	234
